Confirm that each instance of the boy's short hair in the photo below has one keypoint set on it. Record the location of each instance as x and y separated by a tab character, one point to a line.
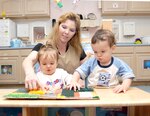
104	35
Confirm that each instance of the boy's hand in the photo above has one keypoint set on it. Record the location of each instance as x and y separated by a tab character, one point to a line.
119	89
123	87
74	86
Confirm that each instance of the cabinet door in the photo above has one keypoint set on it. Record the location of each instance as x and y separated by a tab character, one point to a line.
90	23
9	67
126	53
142	63
12	8
114	7
9	70
127	58
37	7
143	66
139	6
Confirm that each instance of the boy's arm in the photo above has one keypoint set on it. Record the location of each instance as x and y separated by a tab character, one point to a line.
74	82
126	84
123	87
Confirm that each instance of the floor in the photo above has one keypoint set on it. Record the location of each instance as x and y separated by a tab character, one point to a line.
145	88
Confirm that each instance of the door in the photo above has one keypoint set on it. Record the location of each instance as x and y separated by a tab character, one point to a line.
9	70
139	6
12	8
114	7
37	7
143	66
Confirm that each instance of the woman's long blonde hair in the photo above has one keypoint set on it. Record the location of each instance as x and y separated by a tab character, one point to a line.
75	41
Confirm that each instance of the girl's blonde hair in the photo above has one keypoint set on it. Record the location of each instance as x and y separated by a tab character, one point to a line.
75	41
48	51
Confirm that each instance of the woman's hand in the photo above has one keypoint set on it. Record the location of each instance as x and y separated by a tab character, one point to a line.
31	82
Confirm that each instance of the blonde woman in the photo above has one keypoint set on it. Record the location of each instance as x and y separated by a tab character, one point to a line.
65	37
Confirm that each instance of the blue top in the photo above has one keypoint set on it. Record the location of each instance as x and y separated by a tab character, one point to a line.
96	74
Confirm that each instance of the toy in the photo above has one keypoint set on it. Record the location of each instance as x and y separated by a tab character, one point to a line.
40	92
59	3
138	41
3	14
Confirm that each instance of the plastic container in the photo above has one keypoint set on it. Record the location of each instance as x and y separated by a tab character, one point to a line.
145	39
16	43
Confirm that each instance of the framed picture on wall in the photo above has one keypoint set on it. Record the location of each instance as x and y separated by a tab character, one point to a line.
38	32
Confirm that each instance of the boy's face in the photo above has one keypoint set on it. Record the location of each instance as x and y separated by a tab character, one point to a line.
48	65
103	52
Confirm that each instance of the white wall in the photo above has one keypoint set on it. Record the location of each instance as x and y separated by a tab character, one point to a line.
81	7
142	24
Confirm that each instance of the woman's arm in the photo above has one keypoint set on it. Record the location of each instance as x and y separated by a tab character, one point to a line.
88	55
31	81
84	56
28	65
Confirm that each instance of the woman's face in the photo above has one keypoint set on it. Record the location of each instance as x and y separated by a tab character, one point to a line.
67	30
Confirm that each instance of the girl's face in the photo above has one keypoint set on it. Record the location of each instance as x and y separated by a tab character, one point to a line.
67	30
47	65
103	52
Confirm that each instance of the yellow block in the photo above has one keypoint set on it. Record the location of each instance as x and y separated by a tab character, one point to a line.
37	92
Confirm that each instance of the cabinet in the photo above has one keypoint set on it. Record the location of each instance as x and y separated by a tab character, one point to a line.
11	71
139	7
138	58
126	54
90	23
142	63
9	66
25	8
12	7
125	7
114	7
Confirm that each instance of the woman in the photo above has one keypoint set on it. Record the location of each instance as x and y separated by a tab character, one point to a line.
66	38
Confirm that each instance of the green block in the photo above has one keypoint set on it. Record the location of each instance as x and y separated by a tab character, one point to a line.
67	93
85	89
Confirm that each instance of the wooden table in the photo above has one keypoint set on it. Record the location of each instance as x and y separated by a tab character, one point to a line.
133	97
